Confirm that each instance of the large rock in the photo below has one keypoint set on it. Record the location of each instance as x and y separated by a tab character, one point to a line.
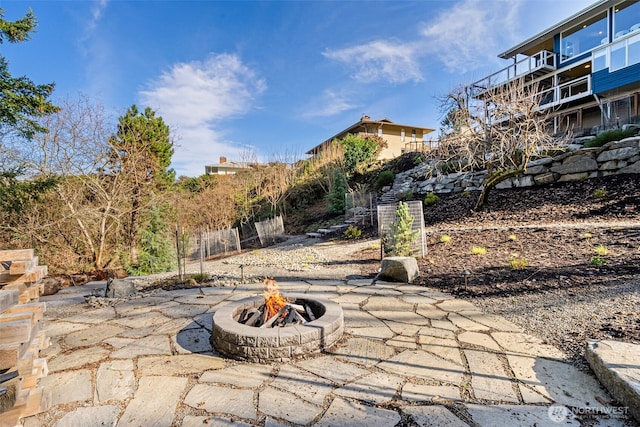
576	164
118	288
618	154
399	269
617	366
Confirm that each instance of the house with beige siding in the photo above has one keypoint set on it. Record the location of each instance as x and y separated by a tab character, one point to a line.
400	138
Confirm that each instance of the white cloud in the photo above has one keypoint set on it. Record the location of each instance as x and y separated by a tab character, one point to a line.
380	60
331	103
470	34
194	97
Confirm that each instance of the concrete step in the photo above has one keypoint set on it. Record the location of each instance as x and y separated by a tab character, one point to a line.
617	366
314	235
325	231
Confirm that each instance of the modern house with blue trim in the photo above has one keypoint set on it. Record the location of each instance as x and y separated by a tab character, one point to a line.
587	68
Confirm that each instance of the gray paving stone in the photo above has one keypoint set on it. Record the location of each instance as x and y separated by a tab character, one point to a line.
280	404
348	413
192	341
517	415
349	298
530	396
402	342
177	365
403	328
303	384
558	381
361	319
444	348
203	299
93	335
154	403
455	305
494	322
443	324
440	296
66	387
154	344
143	320
99	315
363	351
114	381
332	369
377	388
223	400
138	306
489	380
514	343
205	320
431	312
226	290
243	375
138	332
437	332
77	358
425	392
184	310
95	416
433	416
119	342
421	364
380	303
408	317
420	300
465	323
324	282
479	339
211	421
380	333
60	327
174	326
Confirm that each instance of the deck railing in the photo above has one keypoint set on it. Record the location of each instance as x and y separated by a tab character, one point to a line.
542	60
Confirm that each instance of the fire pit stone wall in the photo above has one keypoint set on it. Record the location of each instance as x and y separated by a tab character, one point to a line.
249	343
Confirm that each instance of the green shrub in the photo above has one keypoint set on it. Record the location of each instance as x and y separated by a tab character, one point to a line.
445	238
400	238
612	135
200	277
600	192
385	178
352	232
597	261
337	192
478	250
431	199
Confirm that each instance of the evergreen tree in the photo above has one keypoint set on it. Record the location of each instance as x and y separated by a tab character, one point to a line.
156	253
337	192
400	238
21	100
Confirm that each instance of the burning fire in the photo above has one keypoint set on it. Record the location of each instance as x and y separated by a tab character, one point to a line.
273	300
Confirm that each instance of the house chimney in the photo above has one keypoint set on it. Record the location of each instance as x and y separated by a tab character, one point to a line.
365	118
223	160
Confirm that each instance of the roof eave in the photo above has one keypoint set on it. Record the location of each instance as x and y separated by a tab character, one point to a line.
594	9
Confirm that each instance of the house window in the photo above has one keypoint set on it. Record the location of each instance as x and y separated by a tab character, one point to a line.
380	132
402	135
413	135
584	37
618	56
600	60
634	49
626	19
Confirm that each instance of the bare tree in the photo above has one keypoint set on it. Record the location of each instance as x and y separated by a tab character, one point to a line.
499	130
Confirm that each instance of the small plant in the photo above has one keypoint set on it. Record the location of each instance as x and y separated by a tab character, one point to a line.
601	250
431	199
517	262
398	241
352	232
478	250
600	192
385	178
407	195
445	238
587	235
466	193
512	237
612	135
200	277
596	261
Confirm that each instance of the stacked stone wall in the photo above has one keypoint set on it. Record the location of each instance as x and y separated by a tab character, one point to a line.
617	157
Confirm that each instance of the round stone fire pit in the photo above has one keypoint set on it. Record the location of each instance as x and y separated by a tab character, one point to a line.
243	342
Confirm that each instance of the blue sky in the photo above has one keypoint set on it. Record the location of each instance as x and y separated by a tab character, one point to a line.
272	77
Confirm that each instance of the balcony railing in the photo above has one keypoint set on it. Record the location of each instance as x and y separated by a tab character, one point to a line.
543	60
565	92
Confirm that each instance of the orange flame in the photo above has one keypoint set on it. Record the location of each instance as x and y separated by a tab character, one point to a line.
273	300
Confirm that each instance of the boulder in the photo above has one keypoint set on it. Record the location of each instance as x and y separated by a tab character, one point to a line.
576	164
632	168
399	269
618	154
118	288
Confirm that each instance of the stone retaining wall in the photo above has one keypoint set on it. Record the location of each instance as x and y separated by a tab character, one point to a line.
618	157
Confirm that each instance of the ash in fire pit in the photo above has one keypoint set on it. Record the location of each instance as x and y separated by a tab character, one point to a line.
278	311
276	327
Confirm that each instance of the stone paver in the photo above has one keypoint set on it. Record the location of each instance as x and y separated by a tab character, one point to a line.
434	359
114	381
434	416
154	402
216	399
